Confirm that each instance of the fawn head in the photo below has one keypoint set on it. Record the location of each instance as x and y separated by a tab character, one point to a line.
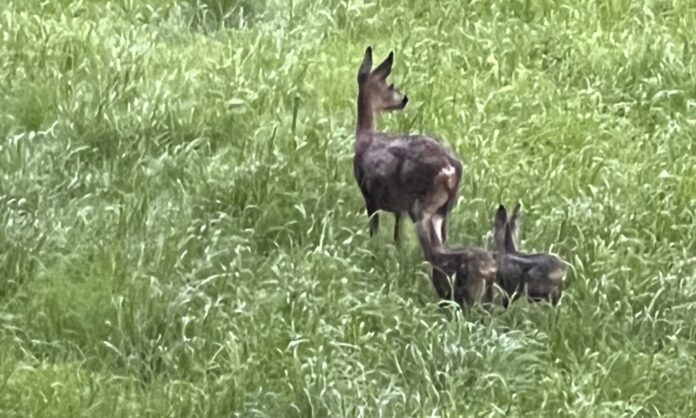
374	91
474	271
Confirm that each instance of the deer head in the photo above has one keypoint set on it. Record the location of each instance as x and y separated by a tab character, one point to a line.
375	94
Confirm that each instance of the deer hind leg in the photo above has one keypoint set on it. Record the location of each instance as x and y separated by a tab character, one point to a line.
438	227
423	233
451	183
427	236
426	228
437	202
440	222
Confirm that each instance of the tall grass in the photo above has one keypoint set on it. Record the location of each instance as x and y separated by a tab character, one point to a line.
180	233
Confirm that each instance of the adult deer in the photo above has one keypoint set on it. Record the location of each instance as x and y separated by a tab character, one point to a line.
412	174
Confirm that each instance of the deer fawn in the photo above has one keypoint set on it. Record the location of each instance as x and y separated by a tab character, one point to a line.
473	270
540	276
414	174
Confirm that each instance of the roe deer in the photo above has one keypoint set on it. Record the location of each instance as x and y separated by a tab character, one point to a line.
473	269
540	276
415	174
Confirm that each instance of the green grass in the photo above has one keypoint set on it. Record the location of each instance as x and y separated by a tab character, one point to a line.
181	235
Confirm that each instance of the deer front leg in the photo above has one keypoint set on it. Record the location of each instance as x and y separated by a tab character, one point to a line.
373	215
371	208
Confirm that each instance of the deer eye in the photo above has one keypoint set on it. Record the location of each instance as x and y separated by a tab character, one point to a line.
391	86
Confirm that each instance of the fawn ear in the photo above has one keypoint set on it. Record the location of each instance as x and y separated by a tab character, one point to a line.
514	226
382	71
499	228
509	243
366	65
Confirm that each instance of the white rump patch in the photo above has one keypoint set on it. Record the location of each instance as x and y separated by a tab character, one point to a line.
449	172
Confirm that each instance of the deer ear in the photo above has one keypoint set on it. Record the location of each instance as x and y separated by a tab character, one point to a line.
499	228
509	242
382	71
366	65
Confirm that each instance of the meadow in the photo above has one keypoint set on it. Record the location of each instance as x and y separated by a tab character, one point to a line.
181	234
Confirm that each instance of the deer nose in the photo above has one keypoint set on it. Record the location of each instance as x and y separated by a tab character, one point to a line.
404	101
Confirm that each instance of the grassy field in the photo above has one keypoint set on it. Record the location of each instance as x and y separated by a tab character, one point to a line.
181	235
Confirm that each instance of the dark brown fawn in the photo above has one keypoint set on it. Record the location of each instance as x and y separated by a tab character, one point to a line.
412	174
473	270
540	276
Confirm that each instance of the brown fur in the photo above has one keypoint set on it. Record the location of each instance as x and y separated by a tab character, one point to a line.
539	276
473	270
412	174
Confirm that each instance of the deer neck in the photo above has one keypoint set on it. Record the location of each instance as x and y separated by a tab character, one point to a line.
366	116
